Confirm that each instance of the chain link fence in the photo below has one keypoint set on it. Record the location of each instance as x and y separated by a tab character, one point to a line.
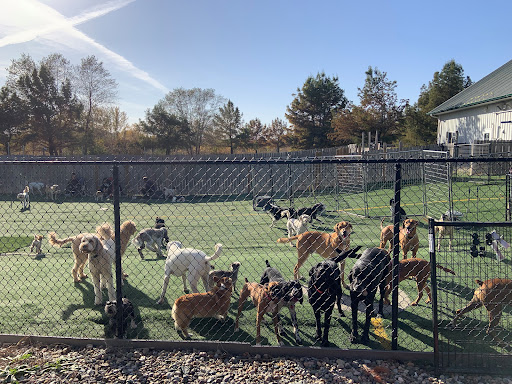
227	216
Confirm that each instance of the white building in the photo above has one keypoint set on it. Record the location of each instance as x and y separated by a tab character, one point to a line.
482	111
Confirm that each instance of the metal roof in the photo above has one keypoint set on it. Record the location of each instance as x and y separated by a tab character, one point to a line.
493	87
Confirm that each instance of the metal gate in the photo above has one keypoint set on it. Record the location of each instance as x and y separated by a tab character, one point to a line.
472	312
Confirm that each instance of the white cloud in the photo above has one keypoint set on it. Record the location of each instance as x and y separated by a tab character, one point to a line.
29	20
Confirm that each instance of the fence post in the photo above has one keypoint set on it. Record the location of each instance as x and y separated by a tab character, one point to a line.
433	279
117	231
396	257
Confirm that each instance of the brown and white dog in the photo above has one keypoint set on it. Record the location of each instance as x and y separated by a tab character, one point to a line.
127	230
36	244
325	244
408	238
266	299
417	269
214	303
24	197
493	294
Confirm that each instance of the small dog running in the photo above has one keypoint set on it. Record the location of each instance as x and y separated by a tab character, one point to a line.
128	316
276	212
153	239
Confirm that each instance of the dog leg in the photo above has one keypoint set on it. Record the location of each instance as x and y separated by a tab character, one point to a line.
293	316
327	326
473	304
110	288
275	319
421	284
354	303
366	329
259	318
341	265
164	289
192	280
97	289
318	323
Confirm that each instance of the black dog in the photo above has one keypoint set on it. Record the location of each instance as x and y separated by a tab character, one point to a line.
313	212
128	316
324	289
288	292
159	222
276	212
368	273
400	212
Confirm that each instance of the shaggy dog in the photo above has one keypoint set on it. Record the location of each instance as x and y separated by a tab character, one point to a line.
233	274
159	223
154	239
128	316
36	244
52	191
288	294
181	261
100	255
297	226
127	230
214	303
325	244
24	197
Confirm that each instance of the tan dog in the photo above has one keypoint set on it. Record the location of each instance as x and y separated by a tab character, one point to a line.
325	244
417	269
52	191
127	230
444	231
36	244
265	302
100	255
493	294
214	303
408	238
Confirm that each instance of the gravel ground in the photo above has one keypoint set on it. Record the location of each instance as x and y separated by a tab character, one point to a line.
65	364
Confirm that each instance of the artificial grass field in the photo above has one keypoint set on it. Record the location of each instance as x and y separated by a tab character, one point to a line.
39	296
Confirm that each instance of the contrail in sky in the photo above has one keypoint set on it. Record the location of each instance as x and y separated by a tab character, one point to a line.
56	22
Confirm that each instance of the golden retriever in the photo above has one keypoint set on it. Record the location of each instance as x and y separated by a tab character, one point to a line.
408	238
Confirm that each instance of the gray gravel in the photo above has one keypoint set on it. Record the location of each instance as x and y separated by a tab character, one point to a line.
64	364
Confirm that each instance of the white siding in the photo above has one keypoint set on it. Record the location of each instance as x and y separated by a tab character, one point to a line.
474	123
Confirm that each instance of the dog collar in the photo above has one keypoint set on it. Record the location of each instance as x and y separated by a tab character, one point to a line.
319	291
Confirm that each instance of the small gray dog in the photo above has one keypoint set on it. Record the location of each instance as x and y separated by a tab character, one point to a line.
128	316
154	239
233	275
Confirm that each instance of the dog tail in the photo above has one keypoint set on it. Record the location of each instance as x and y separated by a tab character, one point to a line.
287	239
345	254
267	263
218	251
53	240
479	282
446	269
104	231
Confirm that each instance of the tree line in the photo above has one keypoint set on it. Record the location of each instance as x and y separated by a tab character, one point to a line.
56	108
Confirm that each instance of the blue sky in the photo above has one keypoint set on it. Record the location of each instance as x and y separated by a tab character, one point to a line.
257	53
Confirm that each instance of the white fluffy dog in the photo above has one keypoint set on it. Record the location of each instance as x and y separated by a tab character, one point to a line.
182	260
101	254
297	226
24	197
